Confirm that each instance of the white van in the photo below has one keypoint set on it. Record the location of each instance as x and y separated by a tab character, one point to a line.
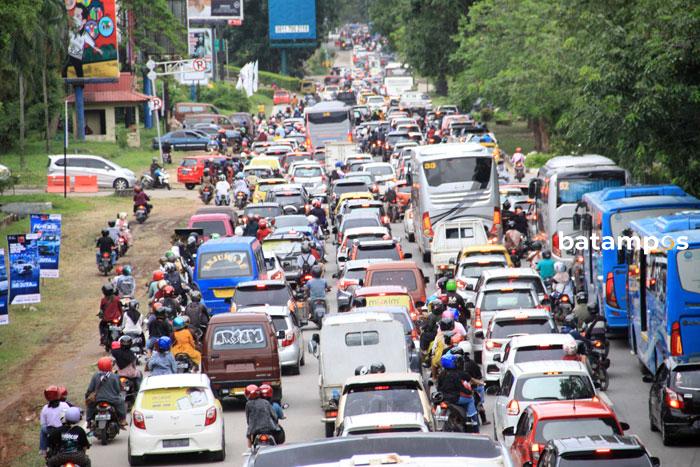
449	237
558	188
351	340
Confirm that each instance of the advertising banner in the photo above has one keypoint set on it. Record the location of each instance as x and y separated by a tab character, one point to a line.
201	45
93	54
48	227
292	19
24	268
215	10
4	314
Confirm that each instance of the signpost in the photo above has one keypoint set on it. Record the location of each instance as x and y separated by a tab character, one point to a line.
292	24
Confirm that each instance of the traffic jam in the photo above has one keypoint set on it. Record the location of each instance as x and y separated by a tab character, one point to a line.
374	268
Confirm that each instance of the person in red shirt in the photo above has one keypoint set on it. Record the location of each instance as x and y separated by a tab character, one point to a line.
263	230
141	199
110	311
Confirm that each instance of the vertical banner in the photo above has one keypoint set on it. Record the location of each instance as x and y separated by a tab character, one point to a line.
24	268
48	227
201	45
4	314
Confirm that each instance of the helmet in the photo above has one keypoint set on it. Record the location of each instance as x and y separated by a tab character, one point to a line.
162	260
170	256
441	283
451	285
437	307
449	361
206	171
126	270
72	415
570	321
559	267
158	275
214	236
164	343
122	215
222	177
159	310
465	348
111	223
154	159
311	219
52	393
238	231
119	270
244	144
570	348
506	205
196	296
456	339
105	364
361	370
262	224
126	341
252	392
240	176
108	289
105	233
338	165
162	284
316	271
170	267
178	323
62	393
377	368
192	239
116	345
546	254
447	324
316	203
265	391
169	291
305	248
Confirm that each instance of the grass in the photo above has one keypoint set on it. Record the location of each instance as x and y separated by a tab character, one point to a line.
513	136
537	160
260	99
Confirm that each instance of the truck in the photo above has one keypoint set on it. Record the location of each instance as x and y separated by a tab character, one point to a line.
339	151
450	237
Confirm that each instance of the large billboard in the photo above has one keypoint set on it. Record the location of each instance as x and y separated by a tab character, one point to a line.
92	47
292	19
215	10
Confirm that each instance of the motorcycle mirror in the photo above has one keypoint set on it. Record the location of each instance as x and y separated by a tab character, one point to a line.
648	379
407	255
625	426
315	337
510	431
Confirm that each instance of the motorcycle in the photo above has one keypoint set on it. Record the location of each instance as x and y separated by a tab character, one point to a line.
302	305
263	440
105	265
137	344
185	364
162	180
600	365
128	391
561	304
519	172
241	200
222	199
106	423
122	246
141	214
111	333
453	417
319	309
206	195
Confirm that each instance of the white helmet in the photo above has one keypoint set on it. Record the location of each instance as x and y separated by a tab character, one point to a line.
570	348
559	267
238	231
311	219
466	347
122	215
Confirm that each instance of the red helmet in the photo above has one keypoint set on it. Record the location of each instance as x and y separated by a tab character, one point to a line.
316	203
169	291
105	364
116	345
118	270
62	392
252	392
518	149
52	393
158	275
244	144
262	224
266	391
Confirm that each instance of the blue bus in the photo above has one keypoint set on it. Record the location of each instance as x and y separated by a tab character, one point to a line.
664	289
609	212
222	264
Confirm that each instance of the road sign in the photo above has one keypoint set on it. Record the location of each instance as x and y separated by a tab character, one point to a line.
150	64
156	103
199	64
152	75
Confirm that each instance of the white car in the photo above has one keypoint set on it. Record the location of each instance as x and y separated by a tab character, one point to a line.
310	176
470	268
505	325
383	173
176	414
533	347
408	226
384	422
533	382
109	174
375	103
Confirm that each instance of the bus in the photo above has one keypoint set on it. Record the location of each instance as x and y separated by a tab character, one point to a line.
452	181
664	289
559	186
397	79
607	213
326	122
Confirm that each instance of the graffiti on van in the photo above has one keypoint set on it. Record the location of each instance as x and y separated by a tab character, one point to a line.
228	337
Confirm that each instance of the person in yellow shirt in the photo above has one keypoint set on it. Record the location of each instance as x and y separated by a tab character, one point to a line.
183	341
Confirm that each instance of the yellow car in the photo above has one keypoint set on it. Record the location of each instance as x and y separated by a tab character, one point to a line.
352	195
265	161
263	186
487	249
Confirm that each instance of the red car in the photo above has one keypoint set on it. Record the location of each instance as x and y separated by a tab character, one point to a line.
218	223
281	97
545	421
191	169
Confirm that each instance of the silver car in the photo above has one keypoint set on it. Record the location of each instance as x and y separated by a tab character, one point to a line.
291	347
109	174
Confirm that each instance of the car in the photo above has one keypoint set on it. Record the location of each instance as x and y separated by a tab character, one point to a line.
176	414
394	137
385	295
389	249
263	185
349	277
503	326
405	273
347	186
383	393
281	97
266	210
109	174
272	265
543	422
532	348
382	423
293	200
270	162
291	221
408	226
371	208
509	275
354	221
345	197
310	176
212	223
278	151
184	109
469	270
375	103
596	450
673	396
22	267
185	140
191	168
534	382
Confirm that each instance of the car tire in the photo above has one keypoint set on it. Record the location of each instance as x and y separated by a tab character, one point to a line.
136	460
330	430
294	369
302	362
426	257
411	238
219	456
666	437
120	184
652	427
189	186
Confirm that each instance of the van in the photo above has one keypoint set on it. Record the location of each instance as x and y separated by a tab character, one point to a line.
183	109
450	237
353	340
109	174
404	273
241	349
307	87
211	223
224	263
191	168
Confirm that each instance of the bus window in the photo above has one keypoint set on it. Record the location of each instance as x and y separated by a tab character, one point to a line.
688	267
570	189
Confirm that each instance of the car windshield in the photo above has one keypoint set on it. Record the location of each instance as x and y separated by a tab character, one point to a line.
360	222
476	170
385	252
380	170
474	271
355	274
393	139
533	281
263	211
211	227
495	300
406	278
174	399
504	328
687	377
291	221
282	247
358	187
383	397
575	427
258	172
279	323
223	264
307	172
285	200
263	295
554	387
266	186
365	178
538	353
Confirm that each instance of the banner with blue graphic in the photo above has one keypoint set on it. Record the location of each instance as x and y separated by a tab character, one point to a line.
24	268
48	226
4	314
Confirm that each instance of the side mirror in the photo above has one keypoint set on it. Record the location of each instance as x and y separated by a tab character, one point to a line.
335	275
577	221
470	306
361	282
281	334
436	398
648	379
497	358
333	229
586	222
313	348
342	258
625	426
655	461
510	431
453	261
596	384
315	337
479	334
527	464
469	286
426	279
533	188
407	255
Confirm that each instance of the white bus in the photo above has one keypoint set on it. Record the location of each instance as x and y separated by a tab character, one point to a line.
397	79
327	122
452	181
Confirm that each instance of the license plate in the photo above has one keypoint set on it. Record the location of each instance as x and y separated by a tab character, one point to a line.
176	443
182	365
441	418
103	416
223	293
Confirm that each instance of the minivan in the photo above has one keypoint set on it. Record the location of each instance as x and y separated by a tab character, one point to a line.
241	349
183	109
404	273
109	174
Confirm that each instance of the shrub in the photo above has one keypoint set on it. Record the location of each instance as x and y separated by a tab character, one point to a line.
268	78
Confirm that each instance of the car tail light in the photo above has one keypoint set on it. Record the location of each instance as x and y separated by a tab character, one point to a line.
414	333
477	318
427	226
461	284
676	344
535	449
555	244
493	345
513	407
610	295
307	277
385	219
345	283
673	399
350	136
287	341
331	413
138	420
496	216
210	416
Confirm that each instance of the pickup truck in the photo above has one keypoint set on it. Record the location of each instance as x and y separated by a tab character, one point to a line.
338	151
450	237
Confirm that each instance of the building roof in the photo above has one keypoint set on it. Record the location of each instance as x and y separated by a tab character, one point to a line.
123	91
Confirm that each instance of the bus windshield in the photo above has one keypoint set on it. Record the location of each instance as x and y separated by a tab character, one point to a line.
571	188
459	170
332	125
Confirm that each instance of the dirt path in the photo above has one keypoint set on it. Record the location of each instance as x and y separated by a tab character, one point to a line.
69	355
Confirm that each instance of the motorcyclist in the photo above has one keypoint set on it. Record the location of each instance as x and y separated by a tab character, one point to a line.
520	220
207	181
455	385
155	169
221	139
158	325
338	172
198	315
545	266
263	230
306	260
125	283
430	327
562	280
170	303
50	417
110	311
222	188
240	185
472	368
69	442
455	300
126	360
133	321
105	244
162	361
316	287
122	225
251	227
518	157
183	341
175	282
320	213
260	416
141	199
105	385
391	198
157	276
446	329
266	393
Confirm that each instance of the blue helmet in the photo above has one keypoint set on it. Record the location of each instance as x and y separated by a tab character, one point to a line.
455	313
240	176
338	165
178	323
448	361
164	344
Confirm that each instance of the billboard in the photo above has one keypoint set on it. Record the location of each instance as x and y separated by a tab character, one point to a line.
4	315
48	226
292	19
215	10
201	45
24	268
92	46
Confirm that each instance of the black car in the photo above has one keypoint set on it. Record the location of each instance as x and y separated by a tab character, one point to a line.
266	210
292	201
596	451
674	399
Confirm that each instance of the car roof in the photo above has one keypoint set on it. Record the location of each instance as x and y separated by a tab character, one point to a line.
376	244
392	265
218	244
350	318
381	289
510	286
447	150
174	381
382	309
89	156
486	248
359	202
571	409
482	259
540	339
378	164
375	378
593	442
211	216
520	312
262	283
509	273
363	263
238	317
268	309
548	366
